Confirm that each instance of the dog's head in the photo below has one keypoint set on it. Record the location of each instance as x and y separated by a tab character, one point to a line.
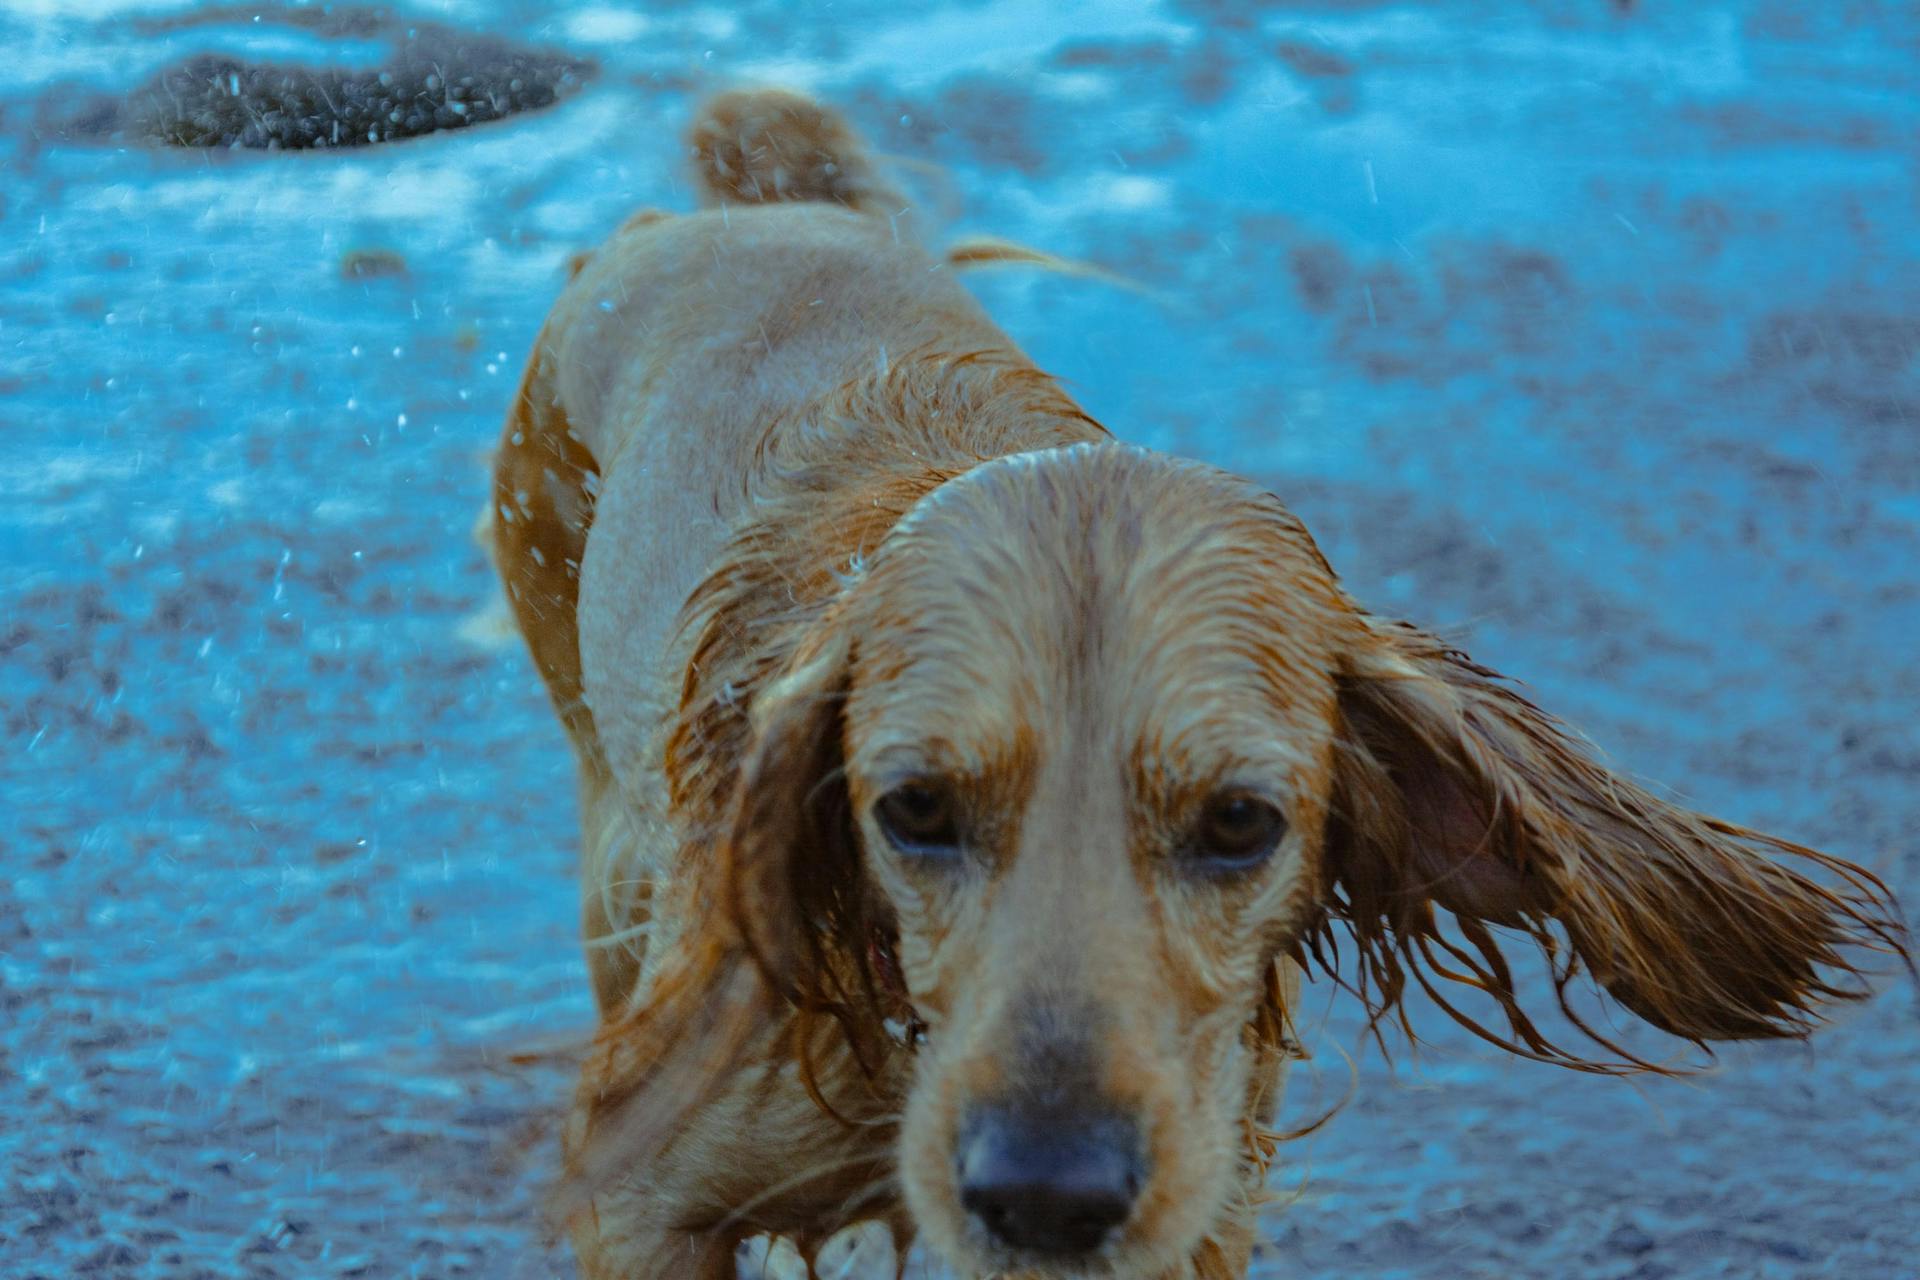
1093	740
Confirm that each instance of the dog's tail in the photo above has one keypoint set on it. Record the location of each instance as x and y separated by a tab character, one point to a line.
763	146
766	146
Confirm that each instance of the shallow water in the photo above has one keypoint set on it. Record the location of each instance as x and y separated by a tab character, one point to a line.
1590	337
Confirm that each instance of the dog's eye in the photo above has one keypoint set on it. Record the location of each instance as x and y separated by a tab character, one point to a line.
918	817
1236	831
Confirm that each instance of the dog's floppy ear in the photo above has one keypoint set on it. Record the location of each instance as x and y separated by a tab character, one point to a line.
1453	791
796	893
787	845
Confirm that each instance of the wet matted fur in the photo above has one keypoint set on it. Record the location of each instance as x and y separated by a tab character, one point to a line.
789	525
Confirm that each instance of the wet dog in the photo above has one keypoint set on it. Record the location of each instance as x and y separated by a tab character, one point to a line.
965	792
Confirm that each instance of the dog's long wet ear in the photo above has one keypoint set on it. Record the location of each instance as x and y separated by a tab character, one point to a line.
796	891
788	846
1455	792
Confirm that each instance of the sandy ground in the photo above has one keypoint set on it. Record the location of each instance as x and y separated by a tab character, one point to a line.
1591	337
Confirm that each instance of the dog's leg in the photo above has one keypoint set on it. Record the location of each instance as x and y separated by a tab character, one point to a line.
665	1255
758	1155
630	1231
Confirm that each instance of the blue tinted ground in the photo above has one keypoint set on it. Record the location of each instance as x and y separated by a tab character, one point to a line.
1587	333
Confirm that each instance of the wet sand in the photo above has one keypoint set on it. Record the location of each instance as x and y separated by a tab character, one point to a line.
1588	336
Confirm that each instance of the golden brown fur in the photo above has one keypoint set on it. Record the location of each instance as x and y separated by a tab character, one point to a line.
785	520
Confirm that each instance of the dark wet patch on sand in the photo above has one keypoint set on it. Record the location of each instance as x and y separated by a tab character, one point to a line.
434	77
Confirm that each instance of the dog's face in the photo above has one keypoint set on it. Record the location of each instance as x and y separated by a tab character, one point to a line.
1094	736
1089	756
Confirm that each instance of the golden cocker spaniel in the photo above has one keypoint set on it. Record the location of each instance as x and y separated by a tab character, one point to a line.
966	791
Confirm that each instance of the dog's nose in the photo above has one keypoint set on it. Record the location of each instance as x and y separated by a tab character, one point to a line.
1049	1183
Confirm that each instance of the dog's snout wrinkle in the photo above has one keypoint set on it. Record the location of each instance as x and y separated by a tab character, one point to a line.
1050	1183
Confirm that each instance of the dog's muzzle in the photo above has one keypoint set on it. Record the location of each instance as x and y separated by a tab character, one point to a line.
1051	1183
